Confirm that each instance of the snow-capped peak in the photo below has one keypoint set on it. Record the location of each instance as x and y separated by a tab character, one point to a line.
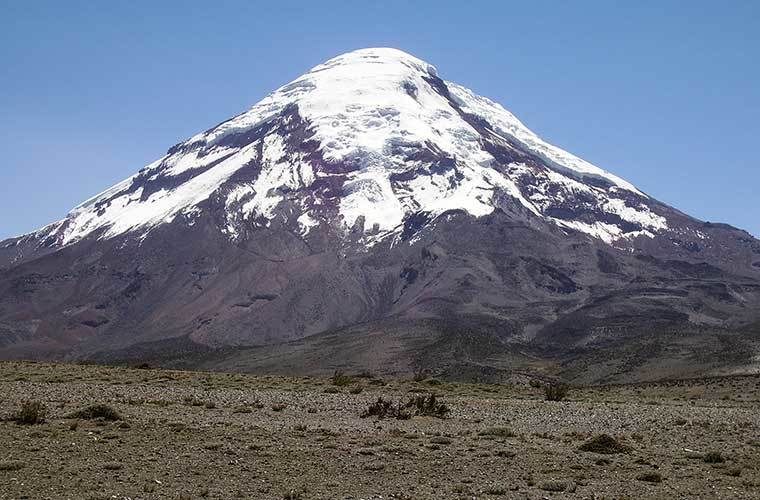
373	135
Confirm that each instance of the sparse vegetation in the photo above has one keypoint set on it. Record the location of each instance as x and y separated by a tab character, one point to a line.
31	413
605	445
713	457
495	491
383	408
554	486
734	472
500	432
556	391
491	432
292	495
11	465
98	411
428	406
420	374
340	379
650	477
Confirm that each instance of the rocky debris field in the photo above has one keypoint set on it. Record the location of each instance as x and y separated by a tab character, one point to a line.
93	432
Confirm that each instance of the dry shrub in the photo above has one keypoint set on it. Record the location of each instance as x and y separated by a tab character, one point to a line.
604	444
30	413
98	411
556	391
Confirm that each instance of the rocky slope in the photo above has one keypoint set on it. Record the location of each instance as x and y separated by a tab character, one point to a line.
403	218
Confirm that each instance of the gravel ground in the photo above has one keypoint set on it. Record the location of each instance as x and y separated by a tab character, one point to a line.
201	435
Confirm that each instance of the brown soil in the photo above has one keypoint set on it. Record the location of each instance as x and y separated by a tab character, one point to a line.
213	435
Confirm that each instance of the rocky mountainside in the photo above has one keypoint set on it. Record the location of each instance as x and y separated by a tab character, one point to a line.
370	214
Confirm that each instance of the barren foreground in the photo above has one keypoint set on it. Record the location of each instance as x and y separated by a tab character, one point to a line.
183	435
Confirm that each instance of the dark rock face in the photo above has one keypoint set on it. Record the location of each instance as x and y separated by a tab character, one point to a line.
188	296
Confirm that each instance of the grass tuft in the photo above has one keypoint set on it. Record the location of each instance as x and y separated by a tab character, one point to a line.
31	413
605	445
98	411
556	391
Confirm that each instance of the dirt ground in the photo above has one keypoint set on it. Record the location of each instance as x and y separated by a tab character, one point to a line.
184	435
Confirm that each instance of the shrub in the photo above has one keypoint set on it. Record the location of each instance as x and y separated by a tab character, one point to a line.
713	457
428	406
97	411
556	391
30	413
604	444
340	378
734	472
555	486
650	477
503	432
440	440
385	409
495	491
11	465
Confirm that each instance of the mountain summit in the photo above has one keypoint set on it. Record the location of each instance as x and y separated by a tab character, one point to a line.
369	200
374	135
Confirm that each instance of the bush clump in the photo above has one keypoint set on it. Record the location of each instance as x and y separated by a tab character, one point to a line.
383	408
12	465
554	486
502	432
31	413
428	406
605	445
650	477
98	411
713	457
556	391
420	374
340	378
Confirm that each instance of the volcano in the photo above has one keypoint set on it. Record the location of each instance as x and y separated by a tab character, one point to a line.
372	215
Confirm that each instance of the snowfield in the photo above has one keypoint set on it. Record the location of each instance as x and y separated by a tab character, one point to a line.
374	109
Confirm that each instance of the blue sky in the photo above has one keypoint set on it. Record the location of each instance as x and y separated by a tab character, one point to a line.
663	94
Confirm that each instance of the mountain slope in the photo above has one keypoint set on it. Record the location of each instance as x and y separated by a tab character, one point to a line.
370	191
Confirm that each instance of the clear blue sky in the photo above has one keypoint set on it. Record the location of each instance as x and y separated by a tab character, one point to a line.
664	94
